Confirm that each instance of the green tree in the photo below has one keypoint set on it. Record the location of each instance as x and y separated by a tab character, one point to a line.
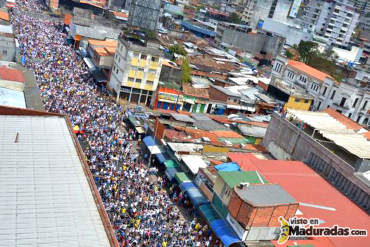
178	49
289	55
186	70
234	18
307	51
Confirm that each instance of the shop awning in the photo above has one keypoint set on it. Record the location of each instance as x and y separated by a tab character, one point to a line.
196	197
209	213
225	232
152	145
187	185
89	63
170	173
171	164
182	177
228	167
162	157
190	101
140	130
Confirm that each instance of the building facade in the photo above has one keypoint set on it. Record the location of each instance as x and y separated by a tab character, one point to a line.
136	70
334	21
351	97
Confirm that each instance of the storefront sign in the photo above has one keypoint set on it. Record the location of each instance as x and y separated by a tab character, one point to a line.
170	97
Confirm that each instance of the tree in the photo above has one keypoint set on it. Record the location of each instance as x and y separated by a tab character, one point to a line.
289	55
234	18
186	70
178	49
307	51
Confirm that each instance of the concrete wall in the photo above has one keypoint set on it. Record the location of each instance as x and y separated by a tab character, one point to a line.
169	74
302	147
254	43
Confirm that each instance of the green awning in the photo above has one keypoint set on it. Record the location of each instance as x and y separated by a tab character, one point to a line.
170	163
209	213
134	122
182	177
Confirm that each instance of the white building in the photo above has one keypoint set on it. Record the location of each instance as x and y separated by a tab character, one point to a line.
334	21
350	97
294	34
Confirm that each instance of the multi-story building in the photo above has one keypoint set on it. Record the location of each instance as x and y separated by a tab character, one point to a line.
334	21
136	69
362	6
351	97
275	9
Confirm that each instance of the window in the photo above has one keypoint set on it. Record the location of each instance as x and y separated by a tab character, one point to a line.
116	56
278	67
290	75
355	103
119	60
143	57
117	71
114	67
318	106
154	59
365	104
297	100
5	52
324	92
150	83
152	71
131	79
140	69
343	101
333	94
303	79
350	115
306	101
136	55
138	80
134	68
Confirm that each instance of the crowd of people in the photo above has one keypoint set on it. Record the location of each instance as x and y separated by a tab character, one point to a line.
141	210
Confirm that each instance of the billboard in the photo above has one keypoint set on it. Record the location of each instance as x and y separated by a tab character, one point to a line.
295	7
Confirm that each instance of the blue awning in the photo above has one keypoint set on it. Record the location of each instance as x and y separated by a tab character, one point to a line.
225	232
187	185
196	197
149	141
162	157
171	172
152	145
228	167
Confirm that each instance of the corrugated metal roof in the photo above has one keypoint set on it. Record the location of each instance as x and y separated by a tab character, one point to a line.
182	118
12	98
254	131
45	198
205	123
263	195
334	130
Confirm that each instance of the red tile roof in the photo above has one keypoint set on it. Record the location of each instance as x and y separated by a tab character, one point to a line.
343	119
4	15
68	19
306	186
10	74
309	70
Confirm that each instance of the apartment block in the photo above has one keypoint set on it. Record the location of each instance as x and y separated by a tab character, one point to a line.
137	67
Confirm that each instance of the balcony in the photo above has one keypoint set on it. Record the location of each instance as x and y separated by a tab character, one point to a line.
341	107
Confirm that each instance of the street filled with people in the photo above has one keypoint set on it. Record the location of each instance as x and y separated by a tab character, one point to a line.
143	211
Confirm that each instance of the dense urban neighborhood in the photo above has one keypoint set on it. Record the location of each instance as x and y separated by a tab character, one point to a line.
196	123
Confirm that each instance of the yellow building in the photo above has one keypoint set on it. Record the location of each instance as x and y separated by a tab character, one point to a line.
136	69
299	102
